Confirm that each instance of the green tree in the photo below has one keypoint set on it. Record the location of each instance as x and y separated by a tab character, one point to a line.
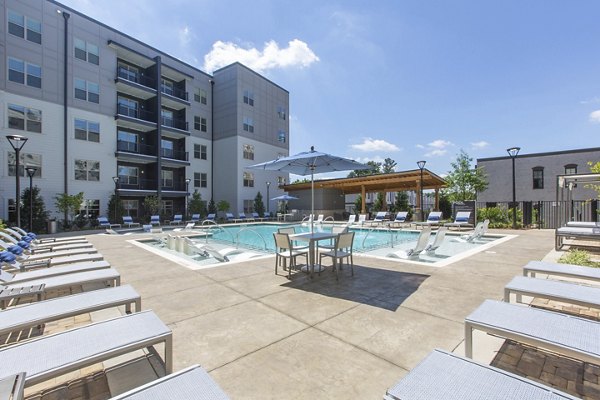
115	209
388	166
212	207
379	202
223	206
151	205
375	169
303	180
445	204
39	213
68	205
463	181
196	205
594	168
259	207
358	204
401	204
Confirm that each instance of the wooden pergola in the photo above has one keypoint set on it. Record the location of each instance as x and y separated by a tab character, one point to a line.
393	182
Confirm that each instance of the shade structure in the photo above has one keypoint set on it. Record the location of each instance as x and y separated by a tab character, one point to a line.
285	197
310	163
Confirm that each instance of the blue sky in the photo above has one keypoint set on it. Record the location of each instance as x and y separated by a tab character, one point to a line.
408	80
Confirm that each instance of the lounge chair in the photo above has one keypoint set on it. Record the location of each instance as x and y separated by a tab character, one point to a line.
422	241
195	218
155	220
8	278
229	217
208	251
563	292
210	217
362	218
189	383
241	218
177	219
257	217
128	220
49	239
380	217
583	224
574	233
562	270
479	231
460	220
104	223
12	386
559	333
443	375
320	219
433	219
86	346
59	253
15	237
267	216
285	250
400	218
437	241
342	249
351	219
18	318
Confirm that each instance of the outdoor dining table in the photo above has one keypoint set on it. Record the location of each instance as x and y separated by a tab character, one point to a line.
313	238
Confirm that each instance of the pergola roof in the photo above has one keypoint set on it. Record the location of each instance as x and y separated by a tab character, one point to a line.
393	182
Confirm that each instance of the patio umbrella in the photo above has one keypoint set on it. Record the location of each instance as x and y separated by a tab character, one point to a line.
285	197
310	163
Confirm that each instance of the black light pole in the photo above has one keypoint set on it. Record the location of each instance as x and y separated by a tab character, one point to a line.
116	180
513	152
17	142
268	185
421	165
30	173
187	190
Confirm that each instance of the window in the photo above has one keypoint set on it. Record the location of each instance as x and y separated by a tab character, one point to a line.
281	136
24	73
166	207
200	124
126	106
248	179
86	51
17	23
200	151
128	175
167	149
86	170
280	180
127	141
200	179
90	208
130	207
200	96
167	117
248	124
24	118
570	169
248	152
248	97
281	112
166	86
87	130
203	126
128	72
25	160
85	90
248	206
538	178
166	178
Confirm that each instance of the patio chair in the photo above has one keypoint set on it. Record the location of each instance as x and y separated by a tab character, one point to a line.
290	230
362	218
443	375
48	239
195	218
400	218
422	241
574	233
155	220
460	220
342	250
210	217
177	219
96	342
104	223
570	336
229	217
128	220
562	270
241	218
433	219
33	314
285	250
351	219
189	383
336	229
479	231
257	217
437	241
267	216
320	219
380	217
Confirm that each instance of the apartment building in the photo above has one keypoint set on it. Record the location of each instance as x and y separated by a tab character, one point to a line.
105	112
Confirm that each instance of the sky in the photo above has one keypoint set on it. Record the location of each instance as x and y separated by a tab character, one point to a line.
409	80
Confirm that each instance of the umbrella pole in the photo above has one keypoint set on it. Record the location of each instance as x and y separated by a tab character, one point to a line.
312	200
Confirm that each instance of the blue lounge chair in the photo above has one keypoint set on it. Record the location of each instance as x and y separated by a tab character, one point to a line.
211	217
104	223
155	220
400	218
379	217
433	219
461	219
128	220
177	219
229	217
195	218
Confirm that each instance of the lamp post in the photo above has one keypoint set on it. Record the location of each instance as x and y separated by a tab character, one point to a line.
187	190
421	165
17	142
116	181
268	185
513	152
30	173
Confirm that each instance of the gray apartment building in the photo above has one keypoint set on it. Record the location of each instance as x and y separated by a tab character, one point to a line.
535	175
97	105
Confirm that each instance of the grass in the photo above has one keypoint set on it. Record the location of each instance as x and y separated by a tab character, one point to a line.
578	257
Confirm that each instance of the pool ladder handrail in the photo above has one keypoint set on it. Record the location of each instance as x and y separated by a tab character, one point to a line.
390	230
214	224
248	228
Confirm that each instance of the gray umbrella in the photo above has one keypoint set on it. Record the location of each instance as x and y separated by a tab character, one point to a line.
285	197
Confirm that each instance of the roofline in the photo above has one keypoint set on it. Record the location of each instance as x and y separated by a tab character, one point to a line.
372	175
251	70
549	153
127	36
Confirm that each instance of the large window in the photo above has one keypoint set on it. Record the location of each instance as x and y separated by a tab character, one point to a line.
128	175
167	86
249	97
128	107
200	151
17	23
25	160
248	179
248	124
24	73
166	207
24	118
248	206
281	112
200	179
87	130
281	136
130	207
281	180
200	96
538	177
90	208
86	51
87	170
128	72
200	124
88	91
167	149
248	152
570	169
127	141
166	178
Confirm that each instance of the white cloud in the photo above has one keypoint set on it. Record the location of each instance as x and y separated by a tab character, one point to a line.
439	144
595	116
370	144
436	153
480	145
184	36
365	160
593	100
420	146
436	148
297	54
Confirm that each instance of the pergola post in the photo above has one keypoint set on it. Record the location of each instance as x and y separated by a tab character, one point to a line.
363	194
437	199
418	210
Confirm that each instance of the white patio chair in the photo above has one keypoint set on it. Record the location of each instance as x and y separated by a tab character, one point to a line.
285	250
422	241
342	250
437	241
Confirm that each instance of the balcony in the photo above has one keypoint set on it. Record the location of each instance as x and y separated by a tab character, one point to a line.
135	152
133	186
135	85
174	98
174	158
137	119
174	127
173	187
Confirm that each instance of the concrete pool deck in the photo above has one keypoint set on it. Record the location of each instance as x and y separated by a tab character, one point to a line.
262	336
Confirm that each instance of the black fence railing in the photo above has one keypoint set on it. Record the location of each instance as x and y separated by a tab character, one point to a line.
175	92
137	148
134	183
174	123
174	154
127	75
135	113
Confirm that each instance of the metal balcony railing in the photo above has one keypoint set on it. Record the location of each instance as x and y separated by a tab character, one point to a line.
137	148
175	92
135	113
174	154
136	78
174	123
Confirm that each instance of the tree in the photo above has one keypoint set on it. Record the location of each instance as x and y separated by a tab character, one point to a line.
223	206
379	202
212	207
388	166
375	169
40	215
594	168
151	205
358	204
463	181
115	209
401	204
196	205
259	207
445	204
303	180
68	205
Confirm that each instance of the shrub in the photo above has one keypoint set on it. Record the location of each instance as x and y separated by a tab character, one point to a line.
578	257
499	217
